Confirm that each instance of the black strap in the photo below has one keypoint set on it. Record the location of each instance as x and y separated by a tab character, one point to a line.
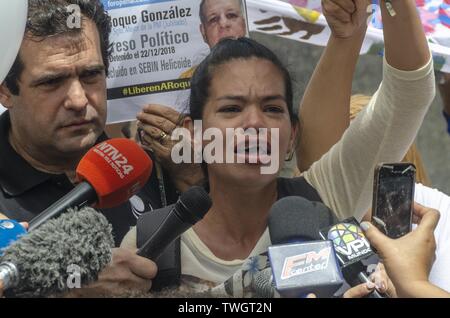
297	187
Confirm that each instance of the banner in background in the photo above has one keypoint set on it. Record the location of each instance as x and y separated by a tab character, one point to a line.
301	20
157	45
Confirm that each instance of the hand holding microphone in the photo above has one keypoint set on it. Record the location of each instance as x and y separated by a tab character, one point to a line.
300	265
127	273
294	219
408	260
379	280
352	249
163	226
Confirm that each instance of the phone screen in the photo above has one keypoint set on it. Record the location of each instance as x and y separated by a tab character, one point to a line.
394	203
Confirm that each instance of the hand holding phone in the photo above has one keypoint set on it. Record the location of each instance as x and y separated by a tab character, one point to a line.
393	198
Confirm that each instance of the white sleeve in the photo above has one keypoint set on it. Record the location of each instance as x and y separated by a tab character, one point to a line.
382	132
431	198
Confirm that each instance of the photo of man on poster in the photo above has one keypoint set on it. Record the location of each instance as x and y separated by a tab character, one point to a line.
220	19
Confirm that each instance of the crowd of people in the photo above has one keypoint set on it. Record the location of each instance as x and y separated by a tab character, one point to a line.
55	96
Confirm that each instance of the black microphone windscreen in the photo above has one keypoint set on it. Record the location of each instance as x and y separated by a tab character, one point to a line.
196	203
46	257
294	218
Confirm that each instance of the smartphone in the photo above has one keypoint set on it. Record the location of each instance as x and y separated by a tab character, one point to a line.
393	198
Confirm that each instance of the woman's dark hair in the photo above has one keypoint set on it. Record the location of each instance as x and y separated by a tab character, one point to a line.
226	51
48	18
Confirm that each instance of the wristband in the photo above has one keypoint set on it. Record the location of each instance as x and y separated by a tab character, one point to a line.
390	8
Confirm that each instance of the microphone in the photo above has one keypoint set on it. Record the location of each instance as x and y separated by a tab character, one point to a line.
10	231
77	245
264	285
253	280
294	219
300	263
291	269
351	248
190	208
109	174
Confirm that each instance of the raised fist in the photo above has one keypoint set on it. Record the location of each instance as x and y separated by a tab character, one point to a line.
346	18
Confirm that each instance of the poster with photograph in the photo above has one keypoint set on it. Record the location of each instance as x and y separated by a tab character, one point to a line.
157	45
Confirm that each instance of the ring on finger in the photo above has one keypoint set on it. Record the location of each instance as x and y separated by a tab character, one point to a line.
163	136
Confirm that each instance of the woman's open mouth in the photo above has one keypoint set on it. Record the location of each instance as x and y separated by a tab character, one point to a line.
253	151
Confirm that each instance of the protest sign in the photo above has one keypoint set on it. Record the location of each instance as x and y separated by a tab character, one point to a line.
157	45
